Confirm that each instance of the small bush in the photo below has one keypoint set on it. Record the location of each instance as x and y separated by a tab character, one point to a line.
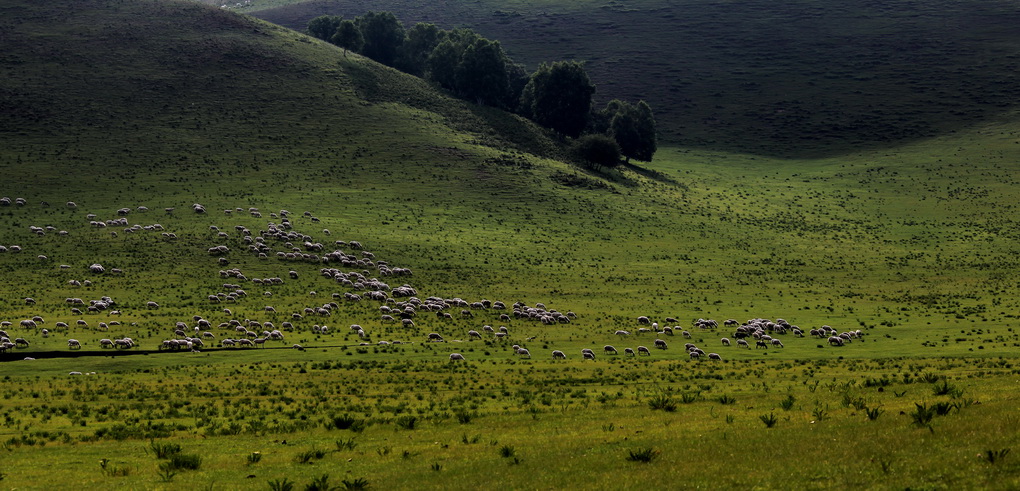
309	455
281	485
662	402
873	413
597	151
164	450
726	400
354	484
941	389
254	458
922	415
943	408
645	455
787	404
689	397
181	461
507	451
769	419
406	422
348	444
993	456
346	422
320	483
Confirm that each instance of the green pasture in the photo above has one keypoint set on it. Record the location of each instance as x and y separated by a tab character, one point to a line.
913	244
519	423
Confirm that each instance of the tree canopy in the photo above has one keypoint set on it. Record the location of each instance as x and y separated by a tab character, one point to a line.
348	37
559	96
633	128
383	35
324	26
482	73
419	42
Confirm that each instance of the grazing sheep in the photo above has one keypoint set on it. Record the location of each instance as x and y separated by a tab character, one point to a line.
694	355
609	349
761	344
644	350
456	357
435	337
741	342
73	344
714	356
644	320
622	333
725	341
559	355
660	344
835	341
587	355
523	352
474	334
777	343
686	334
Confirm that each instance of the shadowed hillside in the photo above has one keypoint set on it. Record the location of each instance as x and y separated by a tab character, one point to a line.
175	79
800	78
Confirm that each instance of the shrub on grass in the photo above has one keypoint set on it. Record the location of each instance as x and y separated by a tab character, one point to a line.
645	455
662	402
164	450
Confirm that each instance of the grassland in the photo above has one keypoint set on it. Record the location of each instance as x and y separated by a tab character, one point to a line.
915	245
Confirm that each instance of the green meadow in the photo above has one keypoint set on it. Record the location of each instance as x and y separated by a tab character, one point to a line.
165	104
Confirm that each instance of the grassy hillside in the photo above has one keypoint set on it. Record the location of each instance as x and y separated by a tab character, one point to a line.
798	79
161	104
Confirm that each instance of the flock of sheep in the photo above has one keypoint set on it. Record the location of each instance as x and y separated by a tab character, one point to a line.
346	265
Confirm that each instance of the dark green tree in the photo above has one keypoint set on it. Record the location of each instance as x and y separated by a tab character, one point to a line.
517	78
597	151
558	96
442	65
324	26
348	37
633	128
383	35
481	75
419	41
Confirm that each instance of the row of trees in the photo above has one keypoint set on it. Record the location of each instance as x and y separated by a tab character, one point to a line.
557	95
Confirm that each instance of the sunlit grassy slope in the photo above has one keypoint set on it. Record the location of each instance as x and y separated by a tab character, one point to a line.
167	104
801	78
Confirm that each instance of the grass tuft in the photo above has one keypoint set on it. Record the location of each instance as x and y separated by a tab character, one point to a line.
645	455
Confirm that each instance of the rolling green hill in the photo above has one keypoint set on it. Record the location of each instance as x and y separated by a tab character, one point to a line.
138	110
799	79
166	104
